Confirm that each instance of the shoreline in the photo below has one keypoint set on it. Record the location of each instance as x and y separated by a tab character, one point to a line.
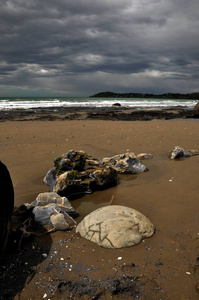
61	264
115	113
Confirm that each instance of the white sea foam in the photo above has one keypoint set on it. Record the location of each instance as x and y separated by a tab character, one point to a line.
25	103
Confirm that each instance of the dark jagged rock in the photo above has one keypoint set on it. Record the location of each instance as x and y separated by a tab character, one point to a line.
7	204
116	105
196	111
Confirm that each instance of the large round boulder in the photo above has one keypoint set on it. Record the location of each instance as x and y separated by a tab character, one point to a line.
115	226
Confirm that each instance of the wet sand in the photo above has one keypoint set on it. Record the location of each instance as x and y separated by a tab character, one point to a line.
164	266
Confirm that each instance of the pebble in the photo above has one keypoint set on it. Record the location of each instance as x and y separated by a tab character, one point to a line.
119	258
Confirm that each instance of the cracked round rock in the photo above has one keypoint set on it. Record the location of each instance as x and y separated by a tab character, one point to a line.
115	226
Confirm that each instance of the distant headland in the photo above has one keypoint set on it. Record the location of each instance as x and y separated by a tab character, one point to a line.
142	95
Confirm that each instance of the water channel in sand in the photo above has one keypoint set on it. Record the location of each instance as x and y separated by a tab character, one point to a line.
129	186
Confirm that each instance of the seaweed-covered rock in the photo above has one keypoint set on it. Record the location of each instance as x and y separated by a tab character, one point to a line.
179	152
115	226
7	204
73	182
72	160
76	172
125	163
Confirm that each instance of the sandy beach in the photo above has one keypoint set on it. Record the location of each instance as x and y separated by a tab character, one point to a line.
62	265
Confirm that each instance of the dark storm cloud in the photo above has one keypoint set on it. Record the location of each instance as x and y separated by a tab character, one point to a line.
86	46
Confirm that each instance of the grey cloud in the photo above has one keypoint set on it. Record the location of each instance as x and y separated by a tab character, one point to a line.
73	41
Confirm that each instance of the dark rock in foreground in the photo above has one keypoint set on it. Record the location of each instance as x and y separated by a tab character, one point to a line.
7	204
196	111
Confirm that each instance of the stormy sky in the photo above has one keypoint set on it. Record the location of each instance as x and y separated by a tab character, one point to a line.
81	47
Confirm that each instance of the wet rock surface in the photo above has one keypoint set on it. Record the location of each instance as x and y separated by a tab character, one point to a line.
106	113
179	152
126	163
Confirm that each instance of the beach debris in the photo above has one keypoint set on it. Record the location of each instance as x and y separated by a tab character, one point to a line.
49	212
125	163
115	226
7	204
179	152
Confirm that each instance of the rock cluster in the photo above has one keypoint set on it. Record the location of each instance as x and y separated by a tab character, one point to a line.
76	172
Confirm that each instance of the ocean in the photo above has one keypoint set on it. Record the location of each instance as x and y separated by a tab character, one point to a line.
47	102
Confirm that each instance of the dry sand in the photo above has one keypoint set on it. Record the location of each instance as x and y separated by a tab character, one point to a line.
164	266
